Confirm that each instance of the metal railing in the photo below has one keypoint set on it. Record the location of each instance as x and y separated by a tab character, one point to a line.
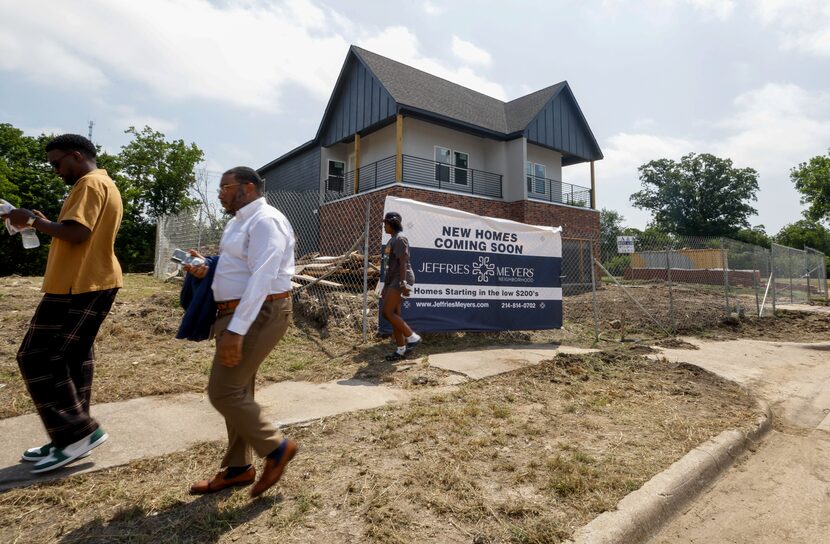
371	176
416	171
428	173
552	190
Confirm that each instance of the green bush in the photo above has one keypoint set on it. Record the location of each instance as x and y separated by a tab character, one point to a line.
618	264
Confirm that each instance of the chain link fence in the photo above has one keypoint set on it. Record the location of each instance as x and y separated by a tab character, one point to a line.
336	267
650	284
800	275
663	284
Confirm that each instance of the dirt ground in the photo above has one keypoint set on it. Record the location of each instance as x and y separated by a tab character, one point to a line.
137	354
136	345
696	311
526	457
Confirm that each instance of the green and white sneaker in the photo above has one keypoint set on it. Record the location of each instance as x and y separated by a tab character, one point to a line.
60	457
33	455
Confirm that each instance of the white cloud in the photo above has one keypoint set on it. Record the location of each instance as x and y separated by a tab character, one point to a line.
432	9
617	176
242	53
771	129
46	62
400	44
123	115
469	52
720	9
644	123
37	131
659	12
803	25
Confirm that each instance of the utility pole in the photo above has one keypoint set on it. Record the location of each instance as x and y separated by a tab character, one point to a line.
91	123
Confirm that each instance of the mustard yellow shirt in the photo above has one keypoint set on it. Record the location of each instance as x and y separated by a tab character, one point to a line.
94	202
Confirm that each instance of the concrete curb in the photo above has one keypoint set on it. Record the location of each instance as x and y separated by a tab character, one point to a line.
642	513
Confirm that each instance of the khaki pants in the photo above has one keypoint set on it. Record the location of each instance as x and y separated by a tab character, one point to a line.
231	390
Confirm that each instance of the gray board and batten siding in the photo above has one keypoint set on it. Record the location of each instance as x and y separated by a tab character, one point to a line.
360	101
293	187
560	125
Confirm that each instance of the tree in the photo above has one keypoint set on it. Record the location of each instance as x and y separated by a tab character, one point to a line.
757	235
702	195
155	177
160	173
805	233
27	180
812	180
610	226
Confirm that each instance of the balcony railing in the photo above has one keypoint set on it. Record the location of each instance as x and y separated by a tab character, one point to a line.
552	190
416	171
440	175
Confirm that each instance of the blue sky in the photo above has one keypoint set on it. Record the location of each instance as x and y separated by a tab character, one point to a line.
248	80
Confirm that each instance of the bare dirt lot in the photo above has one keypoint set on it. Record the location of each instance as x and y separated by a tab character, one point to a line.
137	354
697	311
526	457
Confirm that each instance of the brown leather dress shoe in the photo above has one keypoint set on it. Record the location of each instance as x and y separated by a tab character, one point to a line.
220	482
272	472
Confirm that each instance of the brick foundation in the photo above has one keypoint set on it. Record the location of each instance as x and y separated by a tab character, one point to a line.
576	223
737	278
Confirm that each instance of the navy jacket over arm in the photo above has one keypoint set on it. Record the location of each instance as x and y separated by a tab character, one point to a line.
199	307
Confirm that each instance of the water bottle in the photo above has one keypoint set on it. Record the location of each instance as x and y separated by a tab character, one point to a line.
30	239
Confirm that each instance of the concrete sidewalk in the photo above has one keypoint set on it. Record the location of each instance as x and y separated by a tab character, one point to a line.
153	426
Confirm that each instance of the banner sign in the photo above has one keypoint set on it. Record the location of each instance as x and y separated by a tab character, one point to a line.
625	244
475	273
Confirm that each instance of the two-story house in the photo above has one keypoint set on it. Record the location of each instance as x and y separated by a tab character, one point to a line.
390	129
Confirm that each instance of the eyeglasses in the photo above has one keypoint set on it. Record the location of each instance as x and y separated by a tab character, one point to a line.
222	188
57	162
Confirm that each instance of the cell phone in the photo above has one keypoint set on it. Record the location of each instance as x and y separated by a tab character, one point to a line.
182	257
179	256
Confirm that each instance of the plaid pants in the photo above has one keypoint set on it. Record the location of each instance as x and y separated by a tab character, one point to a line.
56	360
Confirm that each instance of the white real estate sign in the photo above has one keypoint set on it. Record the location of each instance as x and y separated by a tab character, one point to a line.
625	244
475	273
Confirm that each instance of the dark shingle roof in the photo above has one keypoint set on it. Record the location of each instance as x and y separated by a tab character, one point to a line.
521	111
418	89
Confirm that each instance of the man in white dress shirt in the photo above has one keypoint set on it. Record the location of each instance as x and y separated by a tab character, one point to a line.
252	289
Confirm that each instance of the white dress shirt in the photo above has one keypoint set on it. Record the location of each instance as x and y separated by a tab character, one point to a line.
256	259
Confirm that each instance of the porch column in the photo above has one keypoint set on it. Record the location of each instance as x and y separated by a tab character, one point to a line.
399	148
593	188
356	162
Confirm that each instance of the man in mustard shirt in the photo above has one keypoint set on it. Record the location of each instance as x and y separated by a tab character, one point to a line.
82	278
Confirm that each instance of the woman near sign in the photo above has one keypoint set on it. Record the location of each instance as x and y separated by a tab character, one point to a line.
398	281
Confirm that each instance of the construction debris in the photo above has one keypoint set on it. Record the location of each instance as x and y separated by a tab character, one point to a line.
339	272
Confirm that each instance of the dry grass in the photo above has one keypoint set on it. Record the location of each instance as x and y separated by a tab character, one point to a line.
136	345
526	457
137	354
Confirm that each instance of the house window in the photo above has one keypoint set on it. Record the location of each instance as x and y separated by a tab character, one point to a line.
451	166
462	163
443	160
334	181
536	174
